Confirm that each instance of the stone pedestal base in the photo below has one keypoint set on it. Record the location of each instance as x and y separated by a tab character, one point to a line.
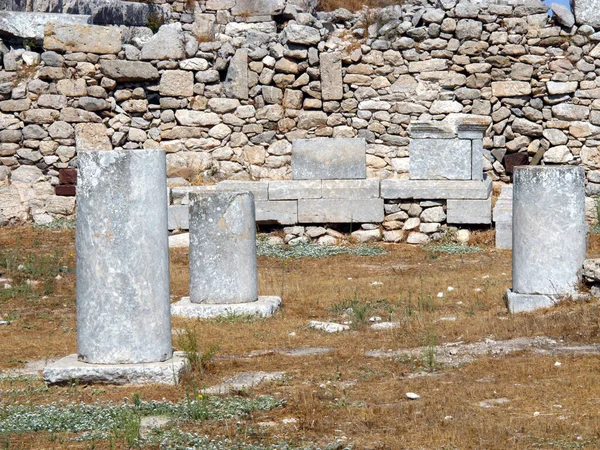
517	303
264	307
69	369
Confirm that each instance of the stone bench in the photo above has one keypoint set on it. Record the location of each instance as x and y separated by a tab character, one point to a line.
289	202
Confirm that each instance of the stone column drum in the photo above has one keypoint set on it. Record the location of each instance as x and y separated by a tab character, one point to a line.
123	304
549	230
223	267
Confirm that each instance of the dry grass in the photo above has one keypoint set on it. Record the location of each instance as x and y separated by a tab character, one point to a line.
355	5
371	411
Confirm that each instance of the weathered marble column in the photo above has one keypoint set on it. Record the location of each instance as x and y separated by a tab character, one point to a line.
123	314
223	265
549	235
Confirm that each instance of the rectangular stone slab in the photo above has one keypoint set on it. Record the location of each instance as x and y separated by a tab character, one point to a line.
469	211
265	306
283	212
517	303
82	38
69	369
435	189
258	188
503	235
440	159
351	189
294	189
329	159
179	217
340	211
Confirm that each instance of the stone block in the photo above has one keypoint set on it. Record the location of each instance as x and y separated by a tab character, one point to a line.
440	159
518	303
128	71
586	12
65	37
30	25
63	190
168	44
91	137
329	159
67	176
351	189
177	83
332	86
254	8
181	194
469	211
294	189
510	88
67	369
503	235
178	217
340	211
436	189
265	306
284	212
259	189
236	81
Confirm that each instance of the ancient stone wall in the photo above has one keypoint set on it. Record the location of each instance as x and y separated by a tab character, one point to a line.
225	92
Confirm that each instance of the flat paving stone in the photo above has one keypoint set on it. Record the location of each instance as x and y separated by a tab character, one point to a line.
243	381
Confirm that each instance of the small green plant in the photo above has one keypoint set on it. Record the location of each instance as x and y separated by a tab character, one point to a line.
309	250
429	360
199	362
155	21
453	248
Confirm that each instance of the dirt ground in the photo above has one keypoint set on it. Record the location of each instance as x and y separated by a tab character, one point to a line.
476	392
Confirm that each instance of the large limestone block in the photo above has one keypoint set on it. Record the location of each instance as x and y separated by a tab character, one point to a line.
127	71
91	137
469	211
30	25
587	12
300	34
284	212
329	159
332	85
258	188
177	83
440	159
340	211
257	7
236	81
294	189
510	88
82	38
168	43
351	189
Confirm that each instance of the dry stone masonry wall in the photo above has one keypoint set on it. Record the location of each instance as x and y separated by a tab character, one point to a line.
227	88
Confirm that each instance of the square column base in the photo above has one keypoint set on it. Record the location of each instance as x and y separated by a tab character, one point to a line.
265	306
517	303
70	369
